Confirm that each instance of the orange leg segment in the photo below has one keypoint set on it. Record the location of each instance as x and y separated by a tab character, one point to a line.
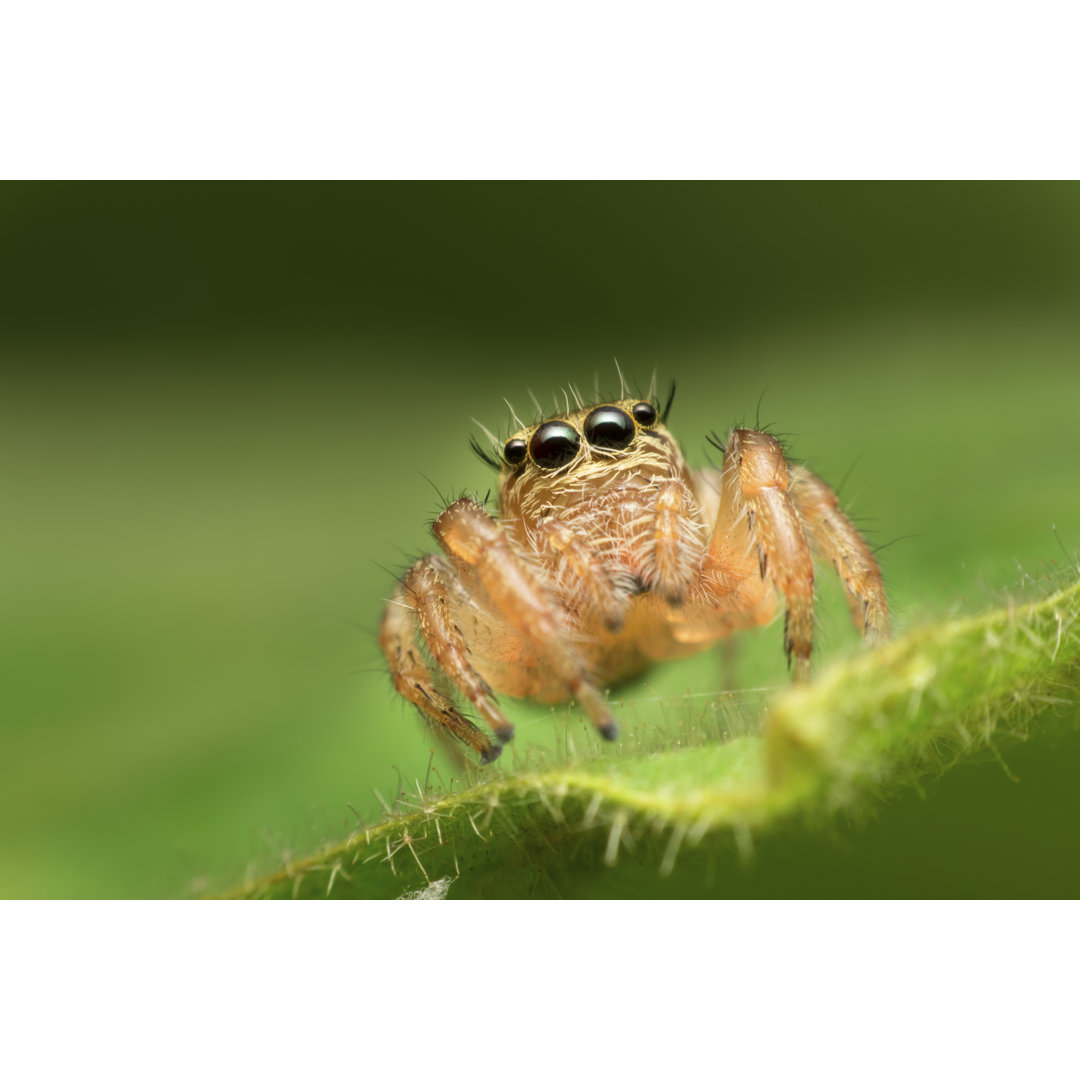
472	538
412	678
835	540
757	522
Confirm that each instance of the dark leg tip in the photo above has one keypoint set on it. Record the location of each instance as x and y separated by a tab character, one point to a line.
608	730
490	754
504	734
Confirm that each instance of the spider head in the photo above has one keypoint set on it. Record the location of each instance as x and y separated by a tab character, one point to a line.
560	442
567	457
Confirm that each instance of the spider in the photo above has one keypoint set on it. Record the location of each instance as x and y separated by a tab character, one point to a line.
609	553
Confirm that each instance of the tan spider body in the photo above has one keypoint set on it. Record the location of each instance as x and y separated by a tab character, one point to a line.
607	554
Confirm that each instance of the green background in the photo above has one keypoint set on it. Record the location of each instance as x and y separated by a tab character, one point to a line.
231	411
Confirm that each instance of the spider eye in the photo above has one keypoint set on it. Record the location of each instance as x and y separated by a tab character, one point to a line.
609	428
514	451
645	413
554	444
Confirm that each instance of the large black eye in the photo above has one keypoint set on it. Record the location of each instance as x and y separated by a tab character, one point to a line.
645	413
609	428
514	451
554	444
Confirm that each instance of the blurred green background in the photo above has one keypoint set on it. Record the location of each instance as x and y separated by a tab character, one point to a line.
228	411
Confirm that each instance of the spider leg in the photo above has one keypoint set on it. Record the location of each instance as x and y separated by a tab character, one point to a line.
582	570
676	547
420	604
670	544
834	539
757	522
472	538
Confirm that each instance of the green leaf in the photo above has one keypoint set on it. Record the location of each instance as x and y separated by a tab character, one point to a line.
675	822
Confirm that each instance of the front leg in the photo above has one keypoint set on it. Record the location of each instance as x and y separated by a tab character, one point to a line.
757	523
583	576
473	539
835	539
418	605
674	546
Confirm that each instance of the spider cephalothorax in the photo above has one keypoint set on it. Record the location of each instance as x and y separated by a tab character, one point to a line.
609	553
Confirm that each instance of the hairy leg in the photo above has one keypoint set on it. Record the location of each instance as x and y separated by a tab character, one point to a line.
757	522
834	539
582	573
473	539
400	623
676	545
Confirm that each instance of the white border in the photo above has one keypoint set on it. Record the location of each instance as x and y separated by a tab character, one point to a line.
428	89
546	989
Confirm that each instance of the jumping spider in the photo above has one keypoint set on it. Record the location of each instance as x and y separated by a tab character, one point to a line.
608	553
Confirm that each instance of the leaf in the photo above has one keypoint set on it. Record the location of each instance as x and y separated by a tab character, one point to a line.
648	822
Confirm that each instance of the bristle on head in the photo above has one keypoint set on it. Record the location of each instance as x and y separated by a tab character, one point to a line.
667	404
482	454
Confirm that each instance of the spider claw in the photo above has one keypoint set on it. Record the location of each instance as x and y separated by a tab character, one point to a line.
608	729
490	754
505	734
